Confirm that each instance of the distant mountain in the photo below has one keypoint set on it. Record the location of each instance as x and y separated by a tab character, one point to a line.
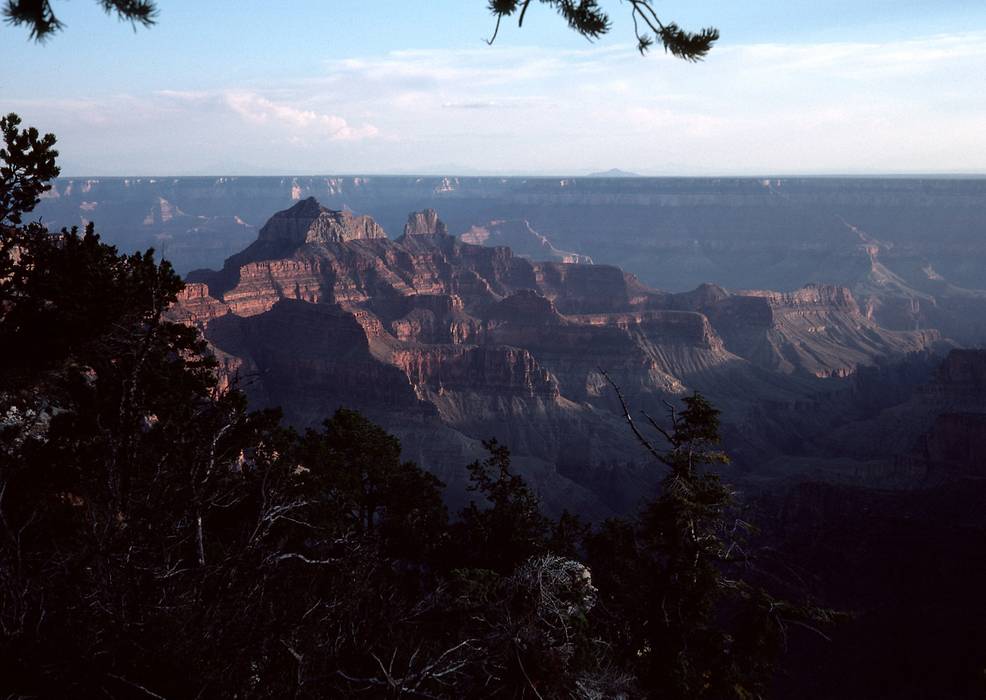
614	172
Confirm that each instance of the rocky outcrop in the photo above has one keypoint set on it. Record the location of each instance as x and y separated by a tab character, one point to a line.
429	333
592	288
911	250
196	307
818	329
311	359
425	223
907	425
427	318
309	222
262	284
525	306
162	212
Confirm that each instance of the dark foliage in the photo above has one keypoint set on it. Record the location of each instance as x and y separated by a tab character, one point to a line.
509	528
583	16
677	588
40	19
366	489
27	163
588	18
157	539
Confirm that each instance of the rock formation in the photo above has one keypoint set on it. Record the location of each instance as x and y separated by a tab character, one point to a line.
910	250
818	329
429	333
425	223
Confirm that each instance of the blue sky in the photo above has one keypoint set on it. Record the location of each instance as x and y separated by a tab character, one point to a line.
346	86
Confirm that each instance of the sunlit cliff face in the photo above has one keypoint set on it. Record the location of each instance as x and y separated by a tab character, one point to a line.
425	330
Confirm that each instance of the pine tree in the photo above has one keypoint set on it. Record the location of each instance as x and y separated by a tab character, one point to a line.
680	595
507	529
27	164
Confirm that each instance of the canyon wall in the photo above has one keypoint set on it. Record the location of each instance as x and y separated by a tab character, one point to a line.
431	335
912	250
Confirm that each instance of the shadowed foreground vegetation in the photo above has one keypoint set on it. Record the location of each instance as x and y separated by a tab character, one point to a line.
159	539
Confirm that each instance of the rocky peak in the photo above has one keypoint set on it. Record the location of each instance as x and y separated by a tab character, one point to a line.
700	298
310	222
525	306
425	223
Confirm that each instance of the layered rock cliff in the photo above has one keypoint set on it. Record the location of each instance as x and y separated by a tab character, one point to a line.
434	332
672	232
425	223
911	250
818	329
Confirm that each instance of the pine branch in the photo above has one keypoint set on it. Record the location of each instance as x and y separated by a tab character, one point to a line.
589	19
42	23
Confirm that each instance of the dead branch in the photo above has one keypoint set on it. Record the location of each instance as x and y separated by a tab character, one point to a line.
629	419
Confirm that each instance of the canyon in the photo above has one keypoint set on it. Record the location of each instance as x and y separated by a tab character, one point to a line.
910	250
837	324
447	343
813	311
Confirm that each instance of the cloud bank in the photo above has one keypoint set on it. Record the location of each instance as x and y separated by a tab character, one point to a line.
258	110
905	106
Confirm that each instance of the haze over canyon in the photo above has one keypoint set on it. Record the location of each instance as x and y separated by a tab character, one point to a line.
492	309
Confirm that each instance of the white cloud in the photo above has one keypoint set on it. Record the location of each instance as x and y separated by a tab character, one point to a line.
909	105
868	60
256	109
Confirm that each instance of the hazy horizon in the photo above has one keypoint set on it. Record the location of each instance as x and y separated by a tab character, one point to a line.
972	175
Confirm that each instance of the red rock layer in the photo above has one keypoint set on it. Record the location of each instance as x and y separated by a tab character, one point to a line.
323	311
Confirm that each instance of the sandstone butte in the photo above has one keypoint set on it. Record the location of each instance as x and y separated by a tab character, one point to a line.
447	342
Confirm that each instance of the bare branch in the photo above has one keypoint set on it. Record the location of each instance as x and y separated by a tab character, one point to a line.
149	693
303	558
496	30
658	428
629	419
